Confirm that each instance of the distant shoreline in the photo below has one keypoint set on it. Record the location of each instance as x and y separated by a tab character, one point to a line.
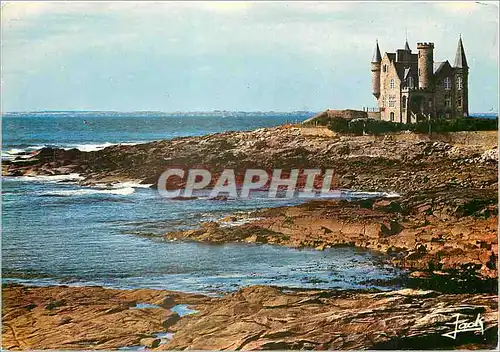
221	113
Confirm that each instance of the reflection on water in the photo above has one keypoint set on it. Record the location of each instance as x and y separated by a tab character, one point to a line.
89	238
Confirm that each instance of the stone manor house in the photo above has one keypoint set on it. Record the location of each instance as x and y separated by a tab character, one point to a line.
412	87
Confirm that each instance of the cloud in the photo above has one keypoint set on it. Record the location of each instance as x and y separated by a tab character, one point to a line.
463	8
174	42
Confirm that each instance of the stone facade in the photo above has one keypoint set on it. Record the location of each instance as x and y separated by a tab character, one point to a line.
412	87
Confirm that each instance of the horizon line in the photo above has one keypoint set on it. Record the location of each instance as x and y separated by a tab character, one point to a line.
195	111
163	111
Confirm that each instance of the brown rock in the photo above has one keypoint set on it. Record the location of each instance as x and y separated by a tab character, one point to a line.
150	342
83	317
266	318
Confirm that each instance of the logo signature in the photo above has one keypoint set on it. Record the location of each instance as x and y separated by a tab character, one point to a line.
465	325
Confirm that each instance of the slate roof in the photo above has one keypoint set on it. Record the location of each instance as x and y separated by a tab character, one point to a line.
460	59
376	54
439	65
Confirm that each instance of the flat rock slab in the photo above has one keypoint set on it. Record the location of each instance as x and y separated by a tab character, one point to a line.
254	318
445	232
261	317
84	317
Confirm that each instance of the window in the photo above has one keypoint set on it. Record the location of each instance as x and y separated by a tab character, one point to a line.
459	102
447	102
419	72
392	101
392	117
392	83
459	83
404	102
411	83
385	68
447	83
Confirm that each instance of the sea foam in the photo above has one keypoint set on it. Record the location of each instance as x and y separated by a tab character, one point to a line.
90	191
48	178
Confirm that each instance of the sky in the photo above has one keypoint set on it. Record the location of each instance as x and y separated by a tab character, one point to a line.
239	56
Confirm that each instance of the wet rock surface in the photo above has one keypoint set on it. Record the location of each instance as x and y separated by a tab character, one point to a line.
253	318
259	317
451	233
82	318
443	227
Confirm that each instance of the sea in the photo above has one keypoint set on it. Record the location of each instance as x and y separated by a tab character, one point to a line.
56	232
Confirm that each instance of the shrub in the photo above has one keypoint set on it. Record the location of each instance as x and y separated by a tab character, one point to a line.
360	126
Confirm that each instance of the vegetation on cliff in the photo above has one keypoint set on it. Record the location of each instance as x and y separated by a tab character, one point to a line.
370	126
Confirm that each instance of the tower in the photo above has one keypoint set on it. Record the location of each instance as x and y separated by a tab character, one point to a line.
375	68
461	73
425	63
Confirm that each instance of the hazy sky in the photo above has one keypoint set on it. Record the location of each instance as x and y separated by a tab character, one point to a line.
249	56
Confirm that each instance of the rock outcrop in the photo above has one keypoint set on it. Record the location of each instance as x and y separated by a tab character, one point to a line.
446	232
393	162
253	318
257	318
444	224
84	318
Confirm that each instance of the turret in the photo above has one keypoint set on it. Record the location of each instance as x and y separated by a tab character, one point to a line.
425	63
404	55
460	59
407	47
461	70
375	68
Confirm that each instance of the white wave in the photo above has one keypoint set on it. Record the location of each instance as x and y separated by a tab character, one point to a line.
23	153
391	195
124	184
51	179
360	194
90	191
237	222
83	147
14	151
132	184
90	147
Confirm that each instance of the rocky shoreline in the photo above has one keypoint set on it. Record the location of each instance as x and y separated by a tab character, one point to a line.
253	318
401	162
449	236
442	228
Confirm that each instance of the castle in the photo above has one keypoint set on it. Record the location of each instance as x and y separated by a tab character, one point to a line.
413	87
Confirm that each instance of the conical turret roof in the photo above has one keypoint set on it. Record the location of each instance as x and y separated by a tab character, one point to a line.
376	54
407	47
460	59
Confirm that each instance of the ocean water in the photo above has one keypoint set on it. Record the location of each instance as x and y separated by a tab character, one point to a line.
57	232
95	130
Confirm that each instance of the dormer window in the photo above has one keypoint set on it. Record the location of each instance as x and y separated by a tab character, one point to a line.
447	83
460	83
391	84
